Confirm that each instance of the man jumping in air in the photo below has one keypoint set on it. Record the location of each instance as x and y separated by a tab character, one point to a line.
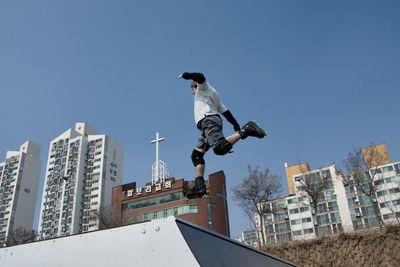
207	110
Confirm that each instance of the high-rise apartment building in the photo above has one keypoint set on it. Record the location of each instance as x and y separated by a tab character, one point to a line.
82	169
19	180
324	201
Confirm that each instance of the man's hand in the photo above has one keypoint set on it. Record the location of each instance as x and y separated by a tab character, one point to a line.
194	76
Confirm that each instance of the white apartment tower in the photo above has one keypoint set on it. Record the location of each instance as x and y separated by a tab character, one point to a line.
82	168
19	181
341	207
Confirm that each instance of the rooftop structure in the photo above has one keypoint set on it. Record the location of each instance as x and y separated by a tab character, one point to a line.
159	169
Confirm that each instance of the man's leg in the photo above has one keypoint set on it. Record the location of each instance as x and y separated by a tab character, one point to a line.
198	161
199	189
214	136
249	129
233	138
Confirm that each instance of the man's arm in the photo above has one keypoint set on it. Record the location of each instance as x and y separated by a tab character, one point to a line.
195	76
229	117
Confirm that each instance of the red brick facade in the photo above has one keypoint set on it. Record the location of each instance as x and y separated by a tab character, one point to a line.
132	204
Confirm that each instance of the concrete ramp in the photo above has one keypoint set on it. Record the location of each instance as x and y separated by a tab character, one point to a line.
214	250
162	242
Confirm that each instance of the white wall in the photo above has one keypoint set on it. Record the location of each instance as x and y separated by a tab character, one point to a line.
29	175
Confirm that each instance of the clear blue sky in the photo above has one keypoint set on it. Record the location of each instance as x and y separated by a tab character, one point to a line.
321	76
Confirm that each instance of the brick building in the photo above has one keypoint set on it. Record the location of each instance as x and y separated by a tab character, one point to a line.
132	204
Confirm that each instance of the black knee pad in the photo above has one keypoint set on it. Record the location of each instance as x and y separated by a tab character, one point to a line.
197	157
223	147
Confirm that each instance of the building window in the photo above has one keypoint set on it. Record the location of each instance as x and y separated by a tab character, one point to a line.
152	201
308	231
303	209
210	207
284	237
297	233
294	222
294	211
389	216
175	211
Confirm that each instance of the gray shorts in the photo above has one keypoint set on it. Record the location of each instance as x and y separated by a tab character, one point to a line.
211	132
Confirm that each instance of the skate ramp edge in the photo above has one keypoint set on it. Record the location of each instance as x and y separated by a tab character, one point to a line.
161	242
214	250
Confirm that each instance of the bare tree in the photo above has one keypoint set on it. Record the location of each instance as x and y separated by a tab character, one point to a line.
20	236
252	195
361	171
106	219
314	184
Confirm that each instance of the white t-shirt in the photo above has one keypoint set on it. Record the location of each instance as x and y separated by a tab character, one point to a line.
206	102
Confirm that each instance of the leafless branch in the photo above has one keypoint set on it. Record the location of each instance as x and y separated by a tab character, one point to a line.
106	219
361	171
254	192
20	236
314	184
